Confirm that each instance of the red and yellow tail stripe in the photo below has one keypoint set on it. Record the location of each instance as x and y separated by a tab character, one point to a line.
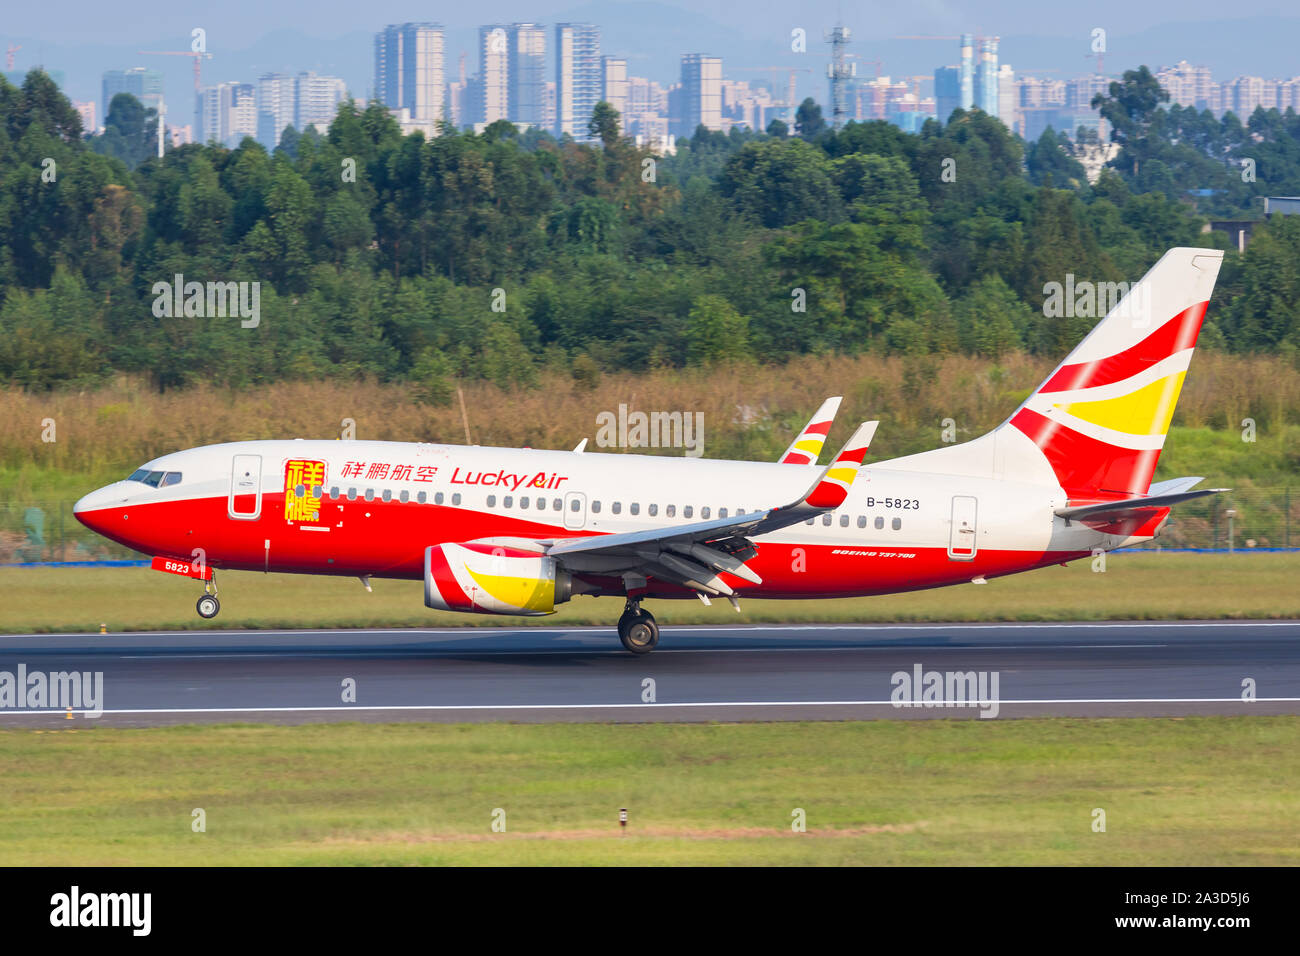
807	446
833	486
1101	424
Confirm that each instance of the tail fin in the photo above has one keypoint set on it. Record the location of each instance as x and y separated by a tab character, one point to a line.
1100	419
807	445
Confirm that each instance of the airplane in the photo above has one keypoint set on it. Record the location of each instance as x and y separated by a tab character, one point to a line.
520	531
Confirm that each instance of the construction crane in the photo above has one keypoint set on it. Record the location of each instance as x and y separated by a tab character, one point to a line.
9	56
198	56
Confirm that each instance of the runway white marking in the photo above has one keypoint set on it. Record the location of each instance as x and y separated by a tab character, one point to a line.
639	706
722	628
612	652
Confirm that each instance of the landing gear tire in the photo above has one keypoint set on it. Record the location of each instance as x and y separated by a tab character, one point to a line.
208	606
638	631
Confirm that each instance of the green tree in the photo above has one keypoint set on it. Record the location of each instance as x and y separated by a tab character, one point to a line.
715	332
808	122
604	124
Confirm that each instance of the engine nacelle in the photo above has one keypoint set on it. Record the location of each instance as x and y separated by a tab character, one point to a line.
493	579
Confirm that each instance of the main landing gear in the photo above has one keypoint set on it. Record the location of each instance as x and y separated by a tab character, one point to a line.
637	629
208	605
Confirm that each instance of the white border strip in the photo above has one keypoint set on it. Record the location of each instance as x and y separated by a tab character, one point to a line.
937	705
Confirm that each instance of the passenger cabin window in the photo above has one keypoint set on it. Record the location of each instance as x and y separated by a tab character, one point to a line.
844	521
422	497
654	510
370	494
455	499
388	494
352	494
508	501
722	512
557	504
405	496
705	512
896	523
880	523
616	507
670	511
299	490
634	507
317	491
575	505
595	507
862	521
688	511
437	498
492	501
826	520
334	492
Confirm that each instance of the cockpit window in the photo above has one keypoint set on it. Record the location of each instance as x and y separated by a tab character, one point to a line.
156	479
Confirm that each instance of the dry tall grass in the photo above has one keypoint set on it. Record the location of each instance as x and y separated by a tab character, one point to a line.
748	411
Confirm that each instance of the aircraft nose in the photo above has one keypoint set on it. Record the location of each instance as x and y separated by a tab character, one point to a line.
90	508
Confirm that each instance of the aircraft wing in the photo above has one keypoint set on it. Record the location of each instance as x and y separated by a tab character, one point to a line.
695	554
807	445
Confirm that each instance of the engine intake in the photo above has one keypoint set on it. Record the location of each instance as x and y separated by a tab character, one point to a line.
493	579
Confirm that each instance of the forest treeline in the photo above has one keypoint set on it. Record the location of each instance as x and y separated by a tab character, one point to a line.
499	255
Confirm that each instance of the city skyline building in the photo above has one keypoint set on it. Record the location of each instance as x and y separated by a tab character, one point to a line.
144	84
577	78
614	84
701	93
409	72
527	74
494	73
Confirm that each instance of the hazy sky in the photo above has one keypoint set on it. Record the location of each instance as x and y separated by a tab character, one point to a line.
235	22
82	38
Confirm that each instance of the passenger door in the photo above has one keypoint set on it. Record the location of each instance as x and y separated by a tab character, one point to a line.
962	543
245	503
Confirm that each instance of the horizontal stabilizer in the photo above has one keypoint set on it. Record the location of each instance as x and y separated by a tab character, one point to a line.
1127	507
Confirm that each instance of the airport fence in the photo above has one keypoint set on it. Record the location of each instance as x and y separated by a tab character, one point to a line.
1246	518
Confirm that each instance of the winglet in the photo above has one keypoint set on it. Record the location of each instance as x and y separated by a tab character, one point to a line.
807	445
833	485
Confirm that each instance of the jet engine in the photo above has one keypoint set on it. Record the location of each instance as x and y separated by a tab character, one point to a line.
493	579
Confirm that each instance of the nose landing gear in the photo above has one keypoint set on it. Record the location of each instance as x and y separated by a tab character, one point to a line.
208	605
637	629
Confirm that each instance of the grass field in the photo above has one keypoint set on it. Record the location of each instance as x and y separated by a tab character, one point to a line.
1208	791
1134	587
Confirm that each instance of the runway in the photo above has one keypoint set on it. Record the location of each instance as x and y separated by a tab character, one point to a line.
759	672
